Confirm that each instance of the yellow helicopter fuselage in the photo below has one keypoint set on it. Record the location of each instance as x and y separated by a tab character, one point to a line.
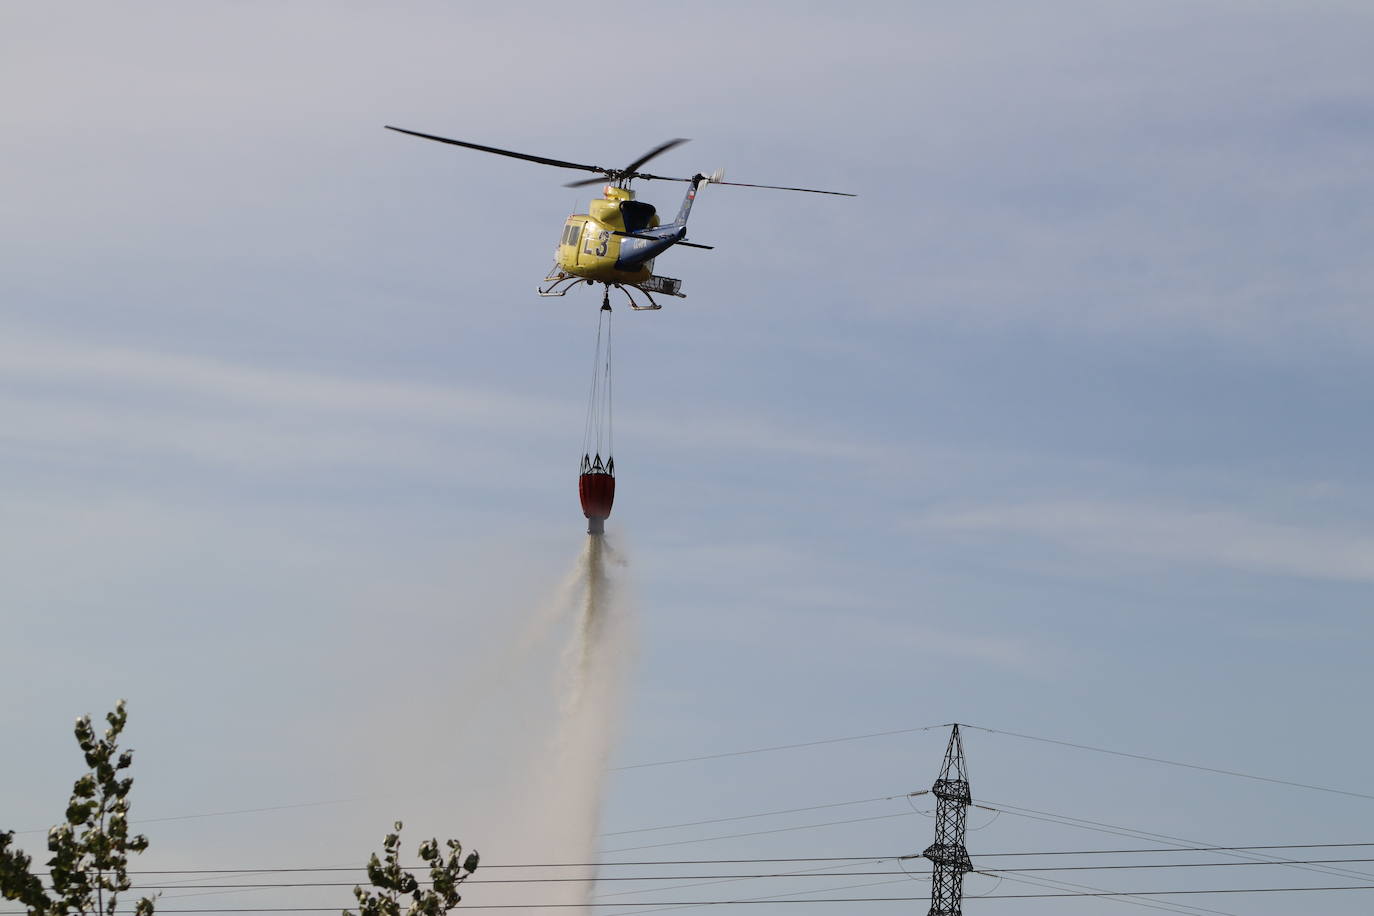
591	244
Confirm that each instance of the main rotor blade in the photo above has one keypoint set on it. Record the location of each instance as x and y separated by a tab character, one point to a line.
505	152
647	177
777	187
663	148
641	175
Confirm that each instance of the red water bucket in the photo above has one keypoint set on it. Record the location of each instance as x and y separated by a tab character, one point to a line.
597	492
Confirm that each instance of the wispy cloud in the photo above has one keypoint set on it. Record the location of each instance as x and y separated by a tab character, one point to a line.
42	357
852	633
1170	534
204	407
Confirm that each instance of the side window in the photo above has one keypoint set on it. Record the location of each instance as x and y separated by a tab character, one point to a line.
570	234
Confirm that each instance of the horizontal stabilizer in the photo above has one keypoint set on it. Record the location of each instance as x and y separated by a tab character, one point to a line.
656	238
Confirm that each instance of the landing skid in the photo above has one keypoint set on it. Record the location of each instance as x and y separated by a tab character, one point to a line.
651	307
606	298
558	282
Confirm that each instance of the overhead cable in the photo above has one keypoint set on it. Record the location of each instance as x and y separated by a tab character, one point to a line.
1060	884
753	861
1117	830
731	836
237	811
1173	763
589	879
1115	852
771	898
808	873
839	740
825	870
1168	865
486	865
779	747
745	817
685	903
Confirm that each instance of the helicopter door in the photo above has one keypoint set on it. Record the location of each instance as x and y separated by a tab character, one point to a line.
595	245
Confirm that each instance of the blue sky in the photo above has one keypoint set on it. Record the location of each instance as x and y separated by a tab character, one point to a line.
1058	428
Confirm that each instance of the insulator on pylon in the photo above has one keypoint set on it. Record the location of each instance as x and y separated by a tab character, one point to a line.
596	488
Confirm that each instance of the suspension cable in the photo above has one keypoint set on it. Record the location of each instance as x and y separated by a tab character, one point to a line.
599	393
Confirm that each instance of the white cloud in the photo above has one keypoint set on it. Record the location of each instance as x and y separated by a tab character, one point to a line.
1167	535
49	357
142	400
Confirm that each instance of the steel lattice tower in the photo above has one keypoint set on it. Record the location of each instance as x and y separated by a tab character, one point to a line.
947	853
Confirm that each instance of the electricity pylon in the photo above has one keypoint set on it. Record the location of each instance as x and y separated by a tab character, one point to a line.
947	854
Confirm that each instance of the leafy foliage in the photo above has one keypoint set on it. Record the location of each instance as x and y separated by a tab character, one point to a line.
393	882
90	851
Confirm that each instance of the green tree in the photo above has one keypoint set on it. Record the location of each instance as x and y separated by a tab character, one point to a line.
90	851
392	882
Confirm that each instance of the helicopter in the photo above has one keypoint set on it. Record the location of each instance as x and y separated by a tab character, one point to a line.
617	240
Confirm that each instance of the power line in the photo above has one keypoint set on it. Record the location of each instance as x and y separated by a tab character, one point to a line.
1101	827
779	747
674	906
1224	890
1114	852
992	872
773	898
817	743
1009	874
1059	885
592	879
824	869
822	872
731	836
1174	763
647	862
188	817
1000	871
1021	875
632	766
745	817
1172	907
343	801
806	744
754	861
686	903
1022	735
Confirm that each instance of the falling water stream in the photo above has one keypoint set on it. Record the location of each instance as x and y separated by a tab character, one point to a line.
593	621
599	652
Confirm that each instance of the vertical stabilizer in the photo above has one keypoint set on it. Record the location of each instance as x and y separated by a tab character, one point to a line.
697	180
